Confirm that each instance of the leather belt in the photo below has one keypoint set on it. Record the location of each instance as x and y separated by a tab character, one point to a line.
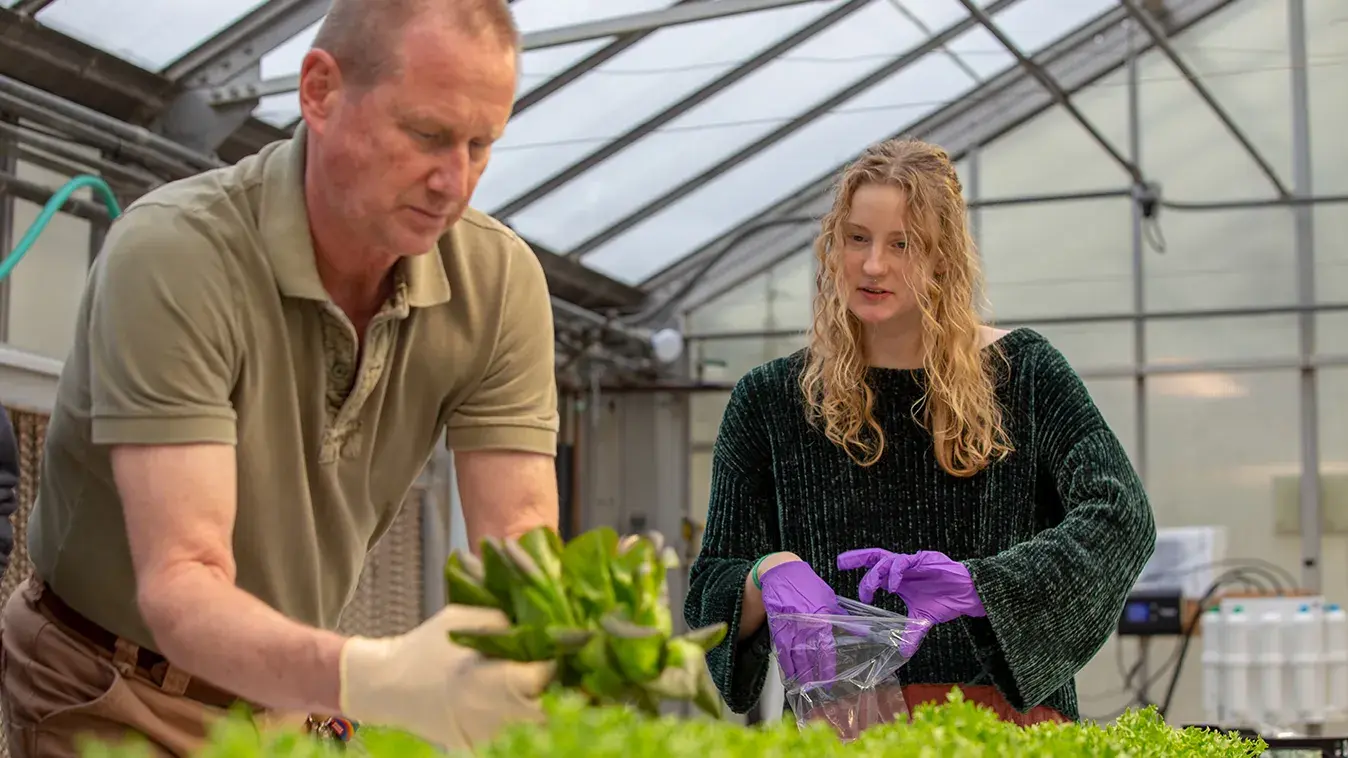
150	664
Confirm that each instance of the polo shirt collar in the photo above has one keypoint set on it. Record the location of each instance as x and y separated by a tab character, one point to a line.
284	222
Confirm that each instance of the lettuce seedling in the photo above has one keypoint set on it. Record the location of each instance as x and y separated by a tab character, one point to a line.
576	729
597	606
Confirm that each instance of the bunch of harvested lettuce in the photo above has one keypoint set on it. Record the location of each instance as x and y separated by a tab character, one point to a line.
596	605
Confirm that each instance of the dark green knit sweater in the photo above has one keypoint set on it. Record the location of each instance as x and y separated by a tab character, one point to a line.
1054	536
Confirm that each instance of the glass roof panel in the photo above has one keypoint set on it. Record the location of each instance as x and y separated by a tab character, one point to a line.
776	174
537	66
8	3
934	14
148	33
719	127
880	112
980	52
537	15
616	96
1035	24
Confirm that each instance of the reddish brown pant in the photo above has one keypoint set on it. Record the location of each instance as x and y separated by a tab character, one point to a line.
55	687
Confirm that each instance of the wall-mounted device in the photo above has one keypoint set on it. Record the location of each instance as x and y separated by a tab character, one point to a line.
1153	613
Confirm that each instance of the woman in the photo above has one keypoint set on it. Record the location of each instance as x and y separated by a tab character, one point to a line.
919	460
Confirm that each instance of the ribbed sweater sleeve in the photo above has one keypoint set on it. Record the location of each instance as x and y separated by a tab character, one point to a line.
741	527
1053	600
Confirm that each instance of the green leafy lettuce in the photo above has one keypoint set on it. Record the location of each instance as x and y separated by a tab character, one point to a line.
575	729
598	606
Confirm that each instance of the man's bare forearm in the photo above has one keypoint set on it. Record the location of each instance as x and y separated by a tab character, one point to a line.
213	630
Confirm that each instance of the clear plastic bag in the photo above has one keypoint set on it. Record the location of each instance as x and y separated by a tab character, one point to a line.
861	687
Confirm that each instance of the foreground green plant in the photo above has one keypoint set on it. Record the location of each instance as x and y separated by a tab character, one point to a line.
957	728
597	606
575	729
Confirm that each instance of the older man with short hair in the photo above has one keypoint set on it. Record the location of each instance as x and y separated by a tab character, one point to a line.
267	355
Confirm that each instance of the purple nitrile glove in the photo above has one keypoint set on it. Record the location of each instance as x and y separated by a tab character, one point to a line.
935	588
805	649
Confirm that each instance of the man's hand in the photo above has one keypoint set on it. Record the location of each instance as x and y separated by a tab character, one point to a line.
505	493
442	692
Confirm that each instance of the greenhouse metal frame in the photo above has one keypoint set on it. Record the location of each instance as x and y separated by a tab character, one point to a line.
613	279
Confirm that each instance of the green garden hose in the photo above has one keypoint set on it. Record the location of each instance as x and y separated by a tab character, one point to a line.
53	206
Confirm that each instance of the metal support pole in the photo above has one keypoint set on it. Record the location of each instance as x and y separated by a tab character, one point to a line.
1078	319
37	194
593	446
1122	371
87	125
973	188
1138	259
109	170
1304	217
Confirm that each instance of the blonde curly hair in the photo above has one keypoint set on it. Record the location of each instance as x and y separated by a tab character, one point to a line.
959	405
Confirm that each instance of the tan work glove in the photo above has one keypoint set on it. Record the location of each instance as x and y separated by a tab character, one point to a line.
444	693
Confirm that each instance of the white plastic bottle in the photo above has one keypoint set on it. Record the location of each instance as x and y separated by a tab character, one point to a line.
1268	693
1336	662
1211	628
1305	645
1236	652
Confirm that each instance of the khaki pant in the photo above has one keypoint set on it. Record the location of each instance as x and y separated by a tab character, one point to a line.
55	687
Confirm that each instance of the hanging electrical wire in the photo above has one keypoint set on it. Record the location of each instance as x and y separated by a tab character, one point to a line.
1258	575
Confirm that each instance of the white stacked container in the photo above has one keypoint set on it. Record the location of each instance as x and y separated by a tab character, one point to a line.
1335	663
1270	662
1305	647
1236	664
1213	665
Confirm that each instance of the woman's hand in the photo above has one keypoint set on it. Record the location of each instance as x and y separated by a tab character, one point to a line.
804	648
935	588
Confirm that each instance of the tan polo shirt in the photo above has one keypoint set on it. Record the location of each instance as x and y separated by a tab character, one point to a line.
204	320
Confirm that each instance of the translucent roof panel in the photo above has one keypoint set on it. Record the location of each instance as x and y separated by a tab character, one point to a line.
731	200
1035	24
537	15
148	33
536	66
717	208
718	127
616	96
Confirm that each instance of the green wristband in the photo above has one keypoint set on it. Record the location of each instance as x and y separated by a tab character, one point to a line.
758	563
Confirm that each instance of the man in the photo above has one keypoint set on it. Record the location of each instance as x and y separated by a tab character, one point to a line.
267	355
